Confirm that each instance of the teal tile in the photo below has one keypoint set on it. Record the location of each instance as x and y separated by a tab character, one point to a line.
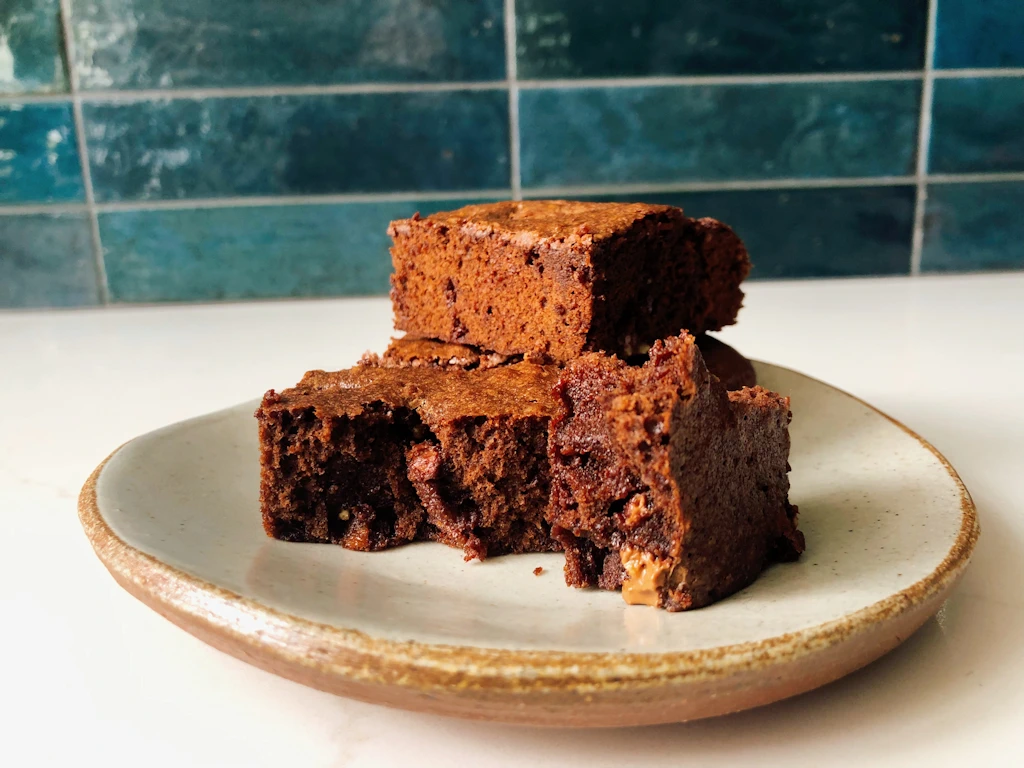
252	252
833	232
215	147
974	227
38	154
721	132
977	125
611	38
124	44
30	47
979	33
46	261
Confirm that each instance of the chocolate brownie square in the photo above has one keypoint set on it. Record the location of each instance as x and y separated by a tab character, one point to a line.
370	458
559	278
664	484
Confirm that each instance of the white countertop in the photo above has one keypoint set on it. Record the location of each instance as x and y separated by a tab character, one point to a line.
89	673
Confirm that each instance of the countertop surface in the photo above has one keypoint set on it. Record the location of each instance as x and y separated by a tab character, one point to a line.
89	673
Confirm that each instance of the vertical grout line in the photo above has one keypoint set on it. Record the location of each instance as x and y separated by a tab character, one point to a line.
513	99
924	135
83	152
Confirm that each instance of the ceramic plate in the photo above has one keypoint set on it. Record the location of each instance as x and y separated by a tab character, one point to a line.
174	515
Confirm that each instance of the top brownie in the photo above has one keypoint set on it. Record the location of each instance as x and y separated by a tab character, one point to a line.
558	278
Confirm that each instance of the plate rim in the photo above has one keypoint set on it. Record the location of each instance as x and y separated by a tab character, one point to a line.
227	620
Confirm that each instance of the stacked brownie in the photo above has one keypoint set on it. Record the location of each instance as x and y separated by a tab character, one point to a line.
548	396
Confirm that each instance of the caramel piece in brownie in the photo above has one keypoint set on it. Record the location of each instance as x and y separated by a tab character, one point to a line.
370	458
559	278
732	368
664	484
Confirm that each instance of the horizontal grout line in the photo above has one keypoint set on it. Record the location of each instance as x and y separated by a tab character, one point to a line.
42	208
712	186
973	178
531	192
952	74
296	90
155	94
35	98
261	202
638	82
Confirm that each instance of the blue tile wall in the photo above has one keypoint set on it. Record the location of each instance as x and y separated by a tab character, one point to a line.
612	38
31	56
979	33
241	149
974	227
47	261
718	132
282	145
243	253
38	154
125	43
978	125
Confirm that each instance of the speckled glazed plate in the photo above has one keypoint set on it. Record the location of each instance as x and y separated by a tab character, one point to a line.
174	517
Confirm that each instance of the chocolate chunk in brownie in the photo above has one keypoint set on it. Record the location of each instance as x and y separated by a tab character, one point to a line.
732	368
559	278
370	458
664	484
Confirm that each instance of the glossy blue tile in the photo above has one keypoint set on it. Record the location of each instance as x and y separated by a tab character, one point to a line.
38	154
979	33
252	252
30	47
611	38
46	261
972	227
833	232
217	147
977	125
154	44
661	134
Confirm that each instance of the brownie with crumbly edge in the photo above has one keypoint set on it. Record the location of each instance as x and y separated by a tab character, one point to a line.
559	278
665	485
371	458
733	369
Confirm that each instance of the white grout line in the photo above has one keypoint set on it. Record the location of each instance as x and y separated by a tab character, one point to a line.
511	72
973	178
83	152
42	209
924	134
953	74
286	90
294	200
713	186
35	98
640	82
153	94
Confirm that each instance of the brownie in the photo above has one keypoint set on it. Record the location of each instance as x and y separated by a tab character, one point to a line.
408	352
559	278
723	361
374	457
664	484
734	370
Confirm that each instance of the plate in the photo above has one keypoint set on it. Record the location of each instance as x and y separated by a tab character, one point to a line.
174	516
